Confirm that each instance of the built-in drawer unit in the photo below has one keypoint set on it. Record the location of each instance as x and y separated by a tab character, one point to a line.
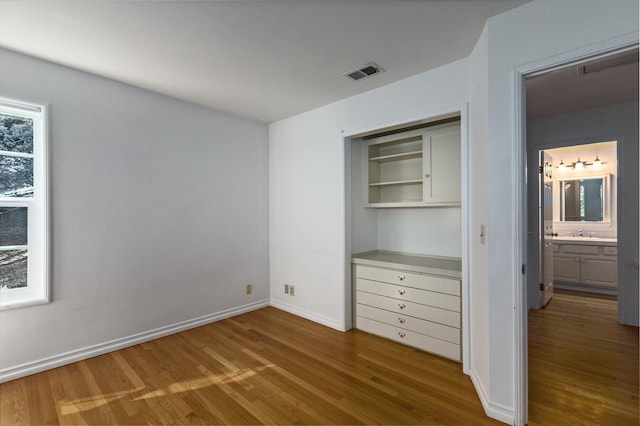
419	309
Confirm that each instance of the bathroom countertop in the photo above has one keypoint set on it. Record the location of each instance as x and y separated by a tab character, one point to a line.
591	241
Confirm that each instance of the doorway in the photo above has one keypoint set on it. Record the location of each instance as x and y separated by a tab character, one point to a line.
558	118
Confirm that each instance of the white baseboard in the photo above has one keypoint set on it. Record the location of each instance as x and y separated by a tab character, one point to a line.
491	409
33	367
329	322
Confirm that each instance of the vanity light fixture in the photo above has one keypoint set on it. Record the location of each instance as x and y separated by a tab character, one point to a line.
580	165
597	164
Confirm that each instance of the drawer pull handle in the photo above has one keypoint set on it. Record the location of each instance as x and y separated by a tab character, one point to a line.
401	305
402	292
401	320
401	277
401	334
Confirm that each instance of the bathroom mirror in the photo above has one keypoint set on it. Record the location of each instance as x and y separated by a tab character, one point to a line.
584	199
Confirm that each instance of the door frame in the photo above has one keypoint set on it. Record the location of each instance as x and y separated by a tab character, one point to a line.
518	171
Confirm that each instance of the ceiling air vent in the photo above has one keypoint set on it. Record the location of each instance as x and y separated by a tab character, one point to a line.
366	71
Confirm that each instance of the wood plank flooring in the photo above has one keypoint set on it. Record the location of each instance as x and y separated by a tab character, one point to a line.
583	365
264	367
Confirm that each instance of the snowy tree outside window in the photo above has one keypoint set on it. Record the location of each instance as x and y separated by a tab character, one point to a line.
23	205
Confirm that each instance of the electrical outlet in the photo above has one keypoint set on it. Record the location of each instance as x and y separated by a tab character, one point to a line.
249	289
286	289
292	290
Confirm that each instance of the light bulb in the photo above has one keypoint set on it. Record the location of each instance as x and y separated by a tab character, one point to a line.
597	163
579	164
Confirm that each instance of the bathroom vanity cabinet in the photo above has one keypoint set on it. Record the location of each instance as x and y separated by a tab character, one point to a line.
589	263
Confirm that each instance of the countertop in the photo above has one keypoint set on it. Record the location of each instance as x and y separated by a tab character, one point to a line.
436	265
588	241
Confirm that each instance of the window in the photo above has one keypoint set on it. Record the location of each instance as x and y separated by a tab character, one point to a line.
23	205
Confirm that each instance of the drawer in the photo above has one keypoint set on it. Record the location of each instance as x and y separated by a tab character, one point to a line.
571	248
439	331
410	279
417	310
610	250
420	341
431	298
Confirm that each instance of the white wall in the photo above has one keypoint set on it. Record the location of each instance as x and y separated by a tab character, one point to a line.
159	215
530	33
479	215
307	183
431	231
362	224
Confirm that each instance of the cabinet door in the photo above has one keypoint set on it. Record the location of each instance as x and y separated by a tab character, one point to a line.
566	268
598	271
442	165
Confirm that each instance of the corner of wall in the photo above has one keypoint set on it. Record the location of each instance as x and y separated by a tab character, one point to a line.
493	410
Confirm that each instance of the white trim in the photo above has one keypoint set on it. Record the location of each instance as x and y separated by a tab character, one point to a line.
451	110
32	109
44	160
12	248
320	319
38	288
16	154
466	235
618	44
33	367
573	57
519	224
491	409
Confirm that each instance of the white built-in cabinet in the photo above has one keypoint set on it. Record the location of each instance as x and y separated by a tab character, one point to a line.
589	265
414	300
416	168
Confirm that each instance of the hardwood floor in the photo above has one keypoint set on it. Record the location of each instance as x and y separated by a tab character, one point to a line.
264	367
583	365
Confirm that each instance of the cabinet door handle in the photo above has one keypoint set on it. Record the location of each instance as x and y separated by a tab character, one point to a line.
401	277
401	334
402	320
427	175
402	292
401	305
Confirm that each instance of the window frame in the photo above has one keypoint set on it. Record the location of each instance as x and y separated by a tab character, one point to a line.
37	290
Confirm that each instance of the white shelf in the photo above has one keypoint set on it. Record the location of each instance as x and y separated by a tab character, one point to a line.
416	168
397	157
397	182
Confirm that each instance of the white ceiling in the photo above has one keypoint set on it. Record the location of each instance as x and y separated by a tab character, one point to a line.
264	60
607	81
